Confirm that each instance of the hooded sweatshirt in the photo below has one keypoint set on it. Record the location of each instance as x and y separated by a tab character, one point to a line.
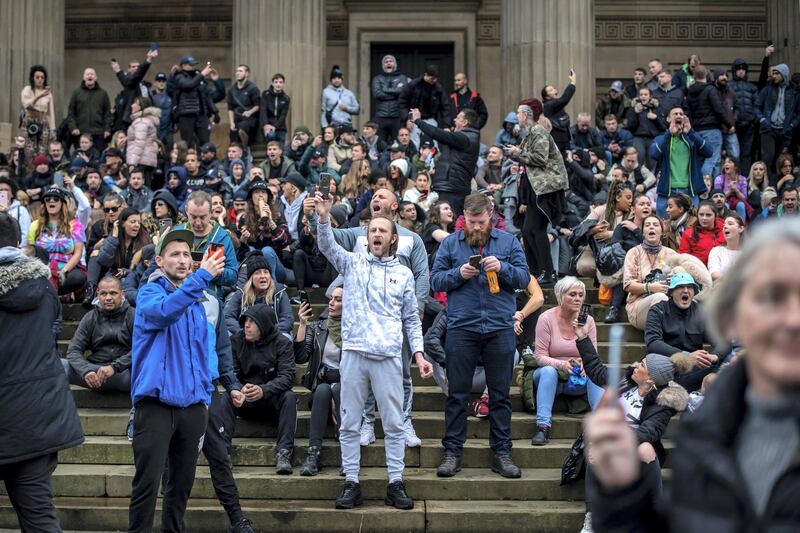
745	92
178	192
379	301
268	362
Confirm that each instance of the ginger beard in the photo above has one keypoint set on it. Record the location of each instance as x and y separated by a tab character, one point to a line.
477	228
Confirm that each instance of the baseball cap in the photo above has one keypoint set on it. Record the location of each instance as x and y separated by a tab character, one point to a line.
184	235
617	86
319	152
188	60
345	128
208	147
396	147
161	76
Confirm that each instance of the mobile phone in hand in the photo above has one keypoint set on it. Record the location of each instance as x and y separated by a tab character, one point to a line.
583	315
216	249
475	261
304	298
153	47
4	201
325	184
164	225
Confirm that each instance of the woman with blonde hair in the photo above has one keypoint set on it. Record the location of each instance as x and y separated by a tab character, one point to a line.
354	182
259	288
62	235
757	182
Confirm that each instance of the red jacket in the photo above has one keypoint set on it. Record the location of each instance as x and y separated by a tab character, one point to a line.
707	239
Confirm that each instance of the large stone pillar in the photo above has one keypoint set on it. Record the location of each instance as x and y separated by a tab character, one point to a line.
540	41
31	33
783	29
286	36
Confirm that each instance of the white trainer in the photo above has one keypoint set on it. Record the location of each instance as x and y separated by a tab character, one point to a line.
587	524
412	441
367	434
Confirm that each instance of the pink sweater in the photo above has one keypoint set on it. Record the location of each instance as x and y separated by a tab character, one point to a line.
552	348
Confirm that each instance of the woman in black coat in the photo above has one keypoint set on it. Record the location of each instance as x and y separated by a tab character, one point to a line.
649	399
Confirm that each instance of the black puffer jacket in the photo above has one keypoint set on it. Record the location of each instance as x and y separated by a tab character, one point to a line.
38	414
708	493
269	362
746	94
107	335
434	339
658	406
192	96
706	110
386	89
456	167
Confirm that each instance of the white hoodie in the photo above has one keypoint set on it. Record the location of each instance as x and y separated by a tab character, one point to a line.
379	300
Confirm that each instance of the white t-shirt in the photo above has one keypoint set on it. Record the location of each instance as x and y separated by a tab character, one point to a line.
720	259
632	404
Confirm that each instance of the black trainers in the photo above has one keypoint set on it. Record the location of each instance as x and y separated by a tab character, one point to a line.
503	465
450	464
397	497
312	466
91	290
547	281
351	496
612	317
541	437
283	462
242	526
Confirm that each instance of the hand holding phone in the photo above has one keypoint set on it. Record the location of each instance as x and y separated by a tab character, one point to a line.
216	250
475	261
4	199
325	184
583	314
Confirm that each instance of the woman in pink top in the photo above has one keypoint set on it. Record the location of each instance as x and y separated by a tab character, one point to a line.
556	354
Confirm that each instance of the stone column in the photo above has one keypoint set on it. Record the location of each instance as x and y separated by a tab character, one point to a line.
286	36
540	40
782	28
31	33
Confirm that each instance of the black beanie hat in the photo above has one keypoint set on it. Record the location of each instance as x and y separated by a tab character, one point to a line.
336	72
255	263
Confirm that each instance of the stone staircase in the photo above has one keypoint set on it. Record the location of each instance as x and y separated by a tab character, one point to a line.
93	481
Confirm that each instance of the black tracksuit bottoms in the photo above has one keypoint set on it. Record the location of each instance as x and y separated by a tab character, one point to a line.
164	433
29	486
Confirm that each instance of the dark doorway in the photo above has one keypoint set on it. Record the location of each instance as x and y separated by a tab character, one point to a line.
412	58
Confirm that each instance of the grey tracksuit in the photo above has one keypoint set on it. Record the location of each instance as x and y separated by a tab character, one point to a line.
379	305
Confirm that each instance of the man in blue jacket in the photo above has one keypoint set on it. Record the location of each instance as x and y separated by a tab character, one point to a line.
207	232
679	153
480	327
174	360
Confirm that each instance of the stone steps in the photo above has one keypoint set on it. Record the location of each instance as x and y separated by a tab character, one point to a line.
429	516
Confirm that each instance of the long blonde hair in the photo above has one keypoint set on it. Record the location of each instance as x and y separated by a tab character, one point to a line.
63	226
353	183
249	296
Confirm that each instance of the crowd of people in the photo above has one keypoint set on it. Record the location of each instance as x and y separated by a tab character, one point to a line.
434	250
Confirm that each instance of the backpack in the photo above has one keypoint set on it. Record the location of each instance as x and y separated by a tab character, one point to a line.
528	387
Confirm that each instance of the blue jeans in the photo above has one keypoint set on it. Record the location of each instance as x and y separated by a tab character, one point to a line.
714	140
661	202
276	135
741	210
464	350
275	265
731	144
548	386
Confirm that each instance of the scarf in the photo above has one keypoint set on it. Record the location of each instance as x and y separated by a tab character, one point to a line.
779	113
651	249
678	224
335	330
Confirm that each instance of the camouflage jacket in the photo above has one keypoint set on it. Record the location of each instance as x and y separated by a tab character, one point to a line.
543	162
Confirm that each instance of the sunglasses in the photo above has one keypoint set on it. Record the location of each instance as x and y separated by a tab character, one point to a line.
111	209
52	200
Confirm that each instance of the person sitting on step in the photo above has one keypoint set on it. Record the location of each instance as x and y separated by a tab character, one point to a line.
320	344
105	332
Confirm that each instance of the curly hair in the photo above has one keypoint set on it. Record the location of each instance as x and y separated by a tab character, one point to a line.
34	70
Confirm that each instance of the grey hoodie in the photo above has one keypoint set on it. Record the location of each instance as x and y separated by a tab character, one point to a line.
379	301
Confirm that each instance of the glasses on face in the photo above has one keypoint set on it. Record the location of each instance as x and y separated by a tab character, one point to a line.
52	200
111	209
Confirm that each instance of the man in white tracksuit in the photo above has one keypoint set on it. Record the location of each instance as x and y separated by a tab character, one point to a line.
379	304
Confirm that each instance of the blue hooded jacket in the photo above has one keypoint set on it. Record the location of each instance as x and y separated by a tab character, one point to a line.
178	192
698	152
171	340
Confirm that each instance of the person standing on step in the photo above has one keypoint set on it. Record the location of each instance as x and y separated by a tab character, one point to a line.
480	324
38	416
171	379
379	306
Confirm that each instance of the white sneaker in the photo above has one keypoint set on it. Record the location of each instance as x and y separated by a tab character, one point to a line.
367	434
412	441
587	524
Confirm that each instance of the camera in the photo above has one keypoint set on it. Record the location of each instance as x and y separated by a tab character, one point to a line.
34	129
656	276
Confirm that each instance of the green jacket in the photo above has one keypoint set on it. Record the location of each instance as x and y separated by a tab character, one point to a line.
310	173
543	162
89	110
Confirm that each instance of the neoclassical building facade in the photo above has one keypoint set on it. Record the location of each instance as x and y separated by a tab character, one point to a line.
509	49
